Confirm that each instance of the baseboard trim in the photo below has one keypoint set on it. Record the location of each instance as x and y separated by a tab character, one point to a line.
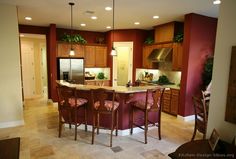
11	123
106	131
186	118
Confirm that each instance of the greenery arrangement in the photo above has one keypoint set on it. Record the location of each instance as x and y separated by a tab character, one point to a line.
207	71
179	38
76	38
149	40
101	75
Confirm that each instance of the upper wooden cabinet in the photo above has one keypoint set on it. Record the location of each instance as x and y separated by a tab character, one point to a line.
166	32
63	50
177	56
95	56
146	51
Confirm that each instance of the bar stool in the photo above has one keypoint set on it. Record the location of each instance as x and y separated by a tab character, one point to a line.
152	103
103	102
69	105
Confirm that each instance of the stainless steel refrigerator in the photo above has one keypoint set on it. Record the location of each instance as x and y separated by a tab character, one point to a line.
71	70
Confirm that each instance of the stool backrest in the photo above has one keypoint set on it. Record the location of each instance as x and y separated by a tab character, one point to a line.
100	96
154	97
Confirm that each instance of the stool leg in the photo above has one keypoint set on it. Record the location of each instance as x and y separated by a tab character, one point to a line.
112	126
75	124
85	117
132	120
60	125
117	122
93	129
146	126
98	122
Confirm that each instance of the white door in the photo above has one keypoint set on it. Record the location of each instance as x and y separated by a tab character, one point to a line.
123	63
27	55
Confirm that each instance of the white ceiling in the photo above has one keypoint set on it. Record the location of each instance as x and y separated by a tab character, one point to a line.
45	12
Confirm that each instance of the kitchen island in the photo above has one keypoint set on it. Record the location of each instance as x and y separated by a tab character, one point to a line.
124	95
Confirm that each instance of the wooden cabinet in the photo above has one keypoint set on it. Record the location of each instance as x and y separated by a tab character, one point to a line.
174	101
177	56
166	101
166	32
95	56
89	56
146	52
101	56
171	101
63	50
98	82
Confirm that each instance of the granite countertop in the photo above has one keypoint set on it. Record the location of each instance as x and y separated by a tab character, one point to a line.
173	86
118	89
98	80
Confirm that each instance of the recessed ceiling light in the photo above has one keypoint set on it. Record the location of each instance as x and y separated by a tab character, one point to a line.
94	17
155	17
82	24
216	2
108	8
136	23
28	18
108	27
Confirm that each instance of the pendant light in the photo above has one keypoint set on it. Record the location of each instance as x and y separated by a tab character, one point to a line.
72	52
113	51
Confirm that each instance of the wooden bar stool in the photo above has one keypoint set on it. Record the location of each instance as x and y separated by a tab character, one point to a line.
103	102
200	117
152	103
69	105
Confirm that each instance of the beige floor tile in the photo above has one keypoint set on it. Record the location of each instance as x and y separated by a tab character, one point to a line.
39	138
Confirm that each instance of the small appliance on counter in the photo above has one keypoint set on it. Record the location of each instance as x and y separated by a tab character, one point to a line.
89	76
71	70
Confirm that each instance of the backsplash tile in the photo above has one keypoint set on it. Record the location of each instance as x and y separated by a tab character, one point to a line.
95	71
173	76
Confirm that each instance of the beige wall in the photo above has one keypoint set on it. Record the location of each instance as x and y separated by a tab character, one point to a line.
225	39
11	112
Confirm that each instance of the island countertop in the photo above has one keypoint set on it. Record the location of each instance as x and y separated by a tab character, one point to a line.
118	89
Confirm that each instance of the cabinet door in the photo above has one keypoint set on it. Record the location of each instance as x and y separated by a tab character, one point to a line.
79	50
174	101
146	52
90	82
166	101
164	33
101	56
177	56
89	56
63	50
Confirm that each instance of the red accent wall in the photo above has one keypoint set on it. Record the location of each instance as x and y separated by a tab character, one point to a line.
134	35
199	42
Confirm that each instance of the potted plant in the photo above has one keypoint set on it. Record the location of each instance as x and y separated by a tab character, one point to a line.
207	72
76	38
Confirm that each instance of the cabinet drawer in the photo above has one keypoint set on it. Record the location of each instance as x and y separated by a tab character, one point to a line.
175	92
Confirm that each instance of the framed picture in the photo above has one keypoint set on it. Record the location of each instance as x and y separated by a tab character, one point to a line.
214	139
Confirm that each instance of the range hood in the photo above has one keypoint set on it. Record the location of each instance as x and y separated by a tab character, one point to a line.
161	55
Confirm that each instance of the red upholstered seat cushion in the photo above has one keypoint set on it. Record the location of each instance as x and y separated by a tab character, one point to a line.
108	105
72	103
141	104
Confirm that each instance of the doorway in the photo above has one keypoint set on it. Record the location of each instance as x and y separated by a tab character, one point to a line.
122	63
34	66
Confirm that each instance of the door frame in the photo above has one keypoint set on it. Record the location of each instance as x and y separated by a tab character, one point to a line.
129	44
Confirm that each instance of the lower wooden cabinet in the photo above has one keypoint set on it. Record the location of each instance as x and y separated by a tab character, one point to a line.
171	101
97	82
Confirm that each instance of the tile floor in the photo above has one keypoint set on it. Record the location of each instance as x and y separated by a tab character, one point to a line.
39	138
